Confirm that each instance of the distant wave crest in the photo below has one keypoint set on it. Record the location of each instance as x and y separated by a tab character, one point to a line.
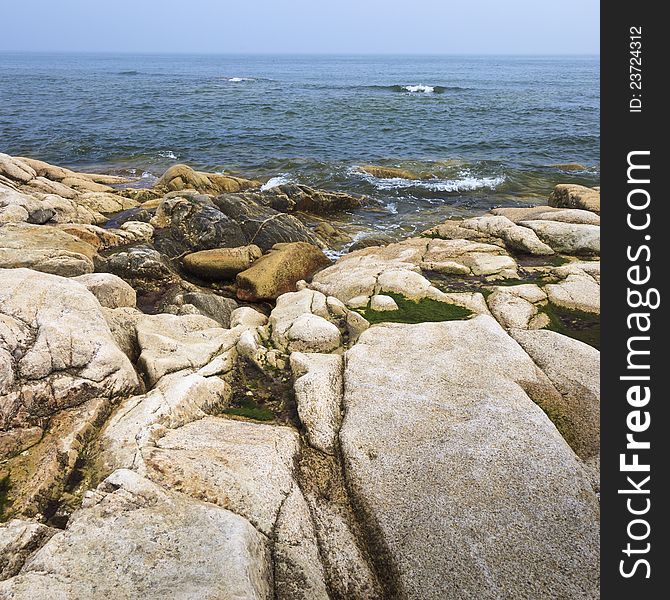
419	88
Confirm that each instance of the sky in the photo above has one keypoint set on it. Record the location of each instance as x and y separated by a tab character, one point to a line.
303	26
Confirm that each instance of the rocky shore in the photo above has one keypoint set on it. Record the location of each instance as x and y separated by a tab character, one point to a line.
198	402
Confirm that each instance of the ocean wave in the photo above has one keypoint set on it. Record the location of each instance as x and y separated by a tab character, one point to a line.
168	154
274	182
418	88
465	182
240	79
128	73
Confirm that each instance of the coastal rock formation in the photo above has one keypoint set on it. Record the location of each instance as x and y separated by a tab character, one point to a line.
60	373
538	231
575	196
291	197
183	177
574	369
415	420
467	432
45	249
195	549
401	268
193	223
278	271
221	263
262	225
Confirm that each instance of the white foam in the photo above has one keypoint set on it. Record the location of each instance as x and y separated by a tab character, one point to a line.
149	177
240	79
465	182
420	88
168	154
280	179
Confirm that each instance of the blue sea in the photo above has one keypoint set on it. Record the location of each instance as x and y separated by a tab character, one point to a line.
488	130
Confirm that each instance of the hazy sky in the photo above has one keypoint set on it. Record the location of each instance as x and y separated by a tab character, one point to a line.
304	26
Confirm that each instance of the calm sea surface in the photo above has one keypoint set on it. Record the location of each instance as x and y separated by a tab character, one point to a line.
488	129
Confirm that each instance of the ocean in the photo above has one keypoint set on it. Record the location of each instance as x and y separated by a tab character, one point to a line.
485	130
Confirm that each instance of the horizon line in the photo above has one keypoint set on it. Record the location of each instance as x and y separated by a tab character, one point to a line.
281	53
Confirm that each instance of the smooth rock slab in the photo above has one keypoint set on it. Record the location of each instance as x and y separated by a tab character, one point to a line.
45	249
245	467
110	290
574	368
318	390
568	238
18	540
132	539
470	488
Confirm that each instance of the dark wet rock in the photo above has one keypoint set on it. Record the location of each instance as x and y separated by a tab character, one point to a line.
263	225
292	197
193	224
144	268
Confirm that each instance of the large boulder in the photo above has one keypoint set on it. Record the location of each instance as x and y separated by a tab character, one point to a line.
278	271
221	263
144	268
183	177
16	169
567	238
568	195
262	225
133	539
193	224
466	469
291	197
57	347
110	290
60	373
45	249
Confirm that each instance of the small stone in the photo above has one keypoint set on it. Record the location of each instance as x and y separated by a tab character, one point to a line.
382	303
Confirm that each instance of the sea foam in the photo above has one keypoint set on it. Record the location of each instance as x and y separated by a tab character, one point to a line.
281	179
420	88
465	182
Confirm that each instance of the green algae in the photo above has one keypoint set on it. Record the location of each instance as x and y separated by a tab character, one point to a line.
425	310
